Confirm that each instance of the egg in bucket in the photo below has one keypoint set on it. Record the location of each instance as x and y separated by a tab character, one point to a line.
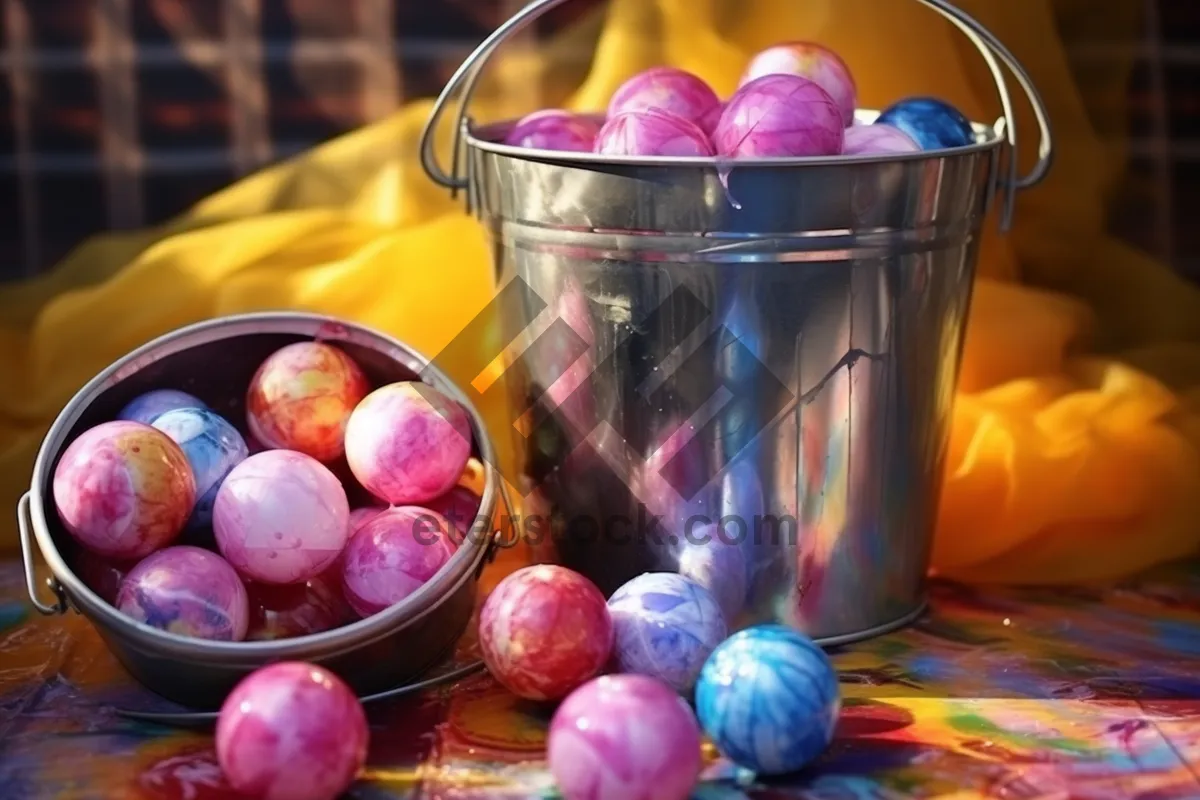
111	501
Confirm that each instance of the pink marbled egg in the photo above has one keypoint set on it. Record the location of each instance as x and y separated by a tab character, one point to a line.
624	737
666	89
408	443
281	517
291	731
780	116
554	129
460	507
124	489
818	64
188	591
545	630
284	612
394	555
361	516
652	132
864	140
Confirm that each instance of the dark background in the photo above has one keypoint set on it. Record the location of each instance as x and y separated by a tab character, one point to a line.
121	113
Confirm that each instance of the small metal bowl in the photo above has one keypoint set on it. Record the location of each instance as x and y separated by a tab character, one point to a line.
215	361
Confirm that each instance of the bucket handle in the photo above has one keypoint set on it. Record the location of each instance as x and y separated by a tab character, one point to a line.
25	526
467	75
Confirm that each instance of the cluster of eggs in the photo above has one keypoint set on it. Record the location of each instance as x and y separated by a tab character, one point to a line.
795	99
766	696
191	526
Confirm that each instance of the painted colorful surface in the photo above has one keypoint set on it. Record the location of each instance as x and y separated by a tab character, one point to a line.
997	694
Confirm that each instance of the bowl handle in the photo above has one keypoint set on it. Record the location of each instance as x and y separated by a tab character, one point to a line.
991	48
25	526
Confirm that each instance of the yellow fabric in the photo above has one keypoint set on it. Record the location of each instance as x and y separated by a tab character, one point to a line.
1064	464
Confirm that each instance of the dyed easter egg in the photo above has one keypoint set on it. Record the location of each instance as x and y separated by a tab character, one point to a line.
151	405
361	516
652	133
717	564
301	398
768	698
392	556
781	116
813	62
544	631
284	612
188	591
460	507
554	129
408	443
708	123
291	731
666	89
872	139
624	737
213	447
102	575
124	489
665	626
281	517
931	123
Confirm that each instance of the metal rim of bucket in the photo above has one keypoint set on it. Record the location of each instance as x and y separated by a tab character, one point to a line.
990	48
463	566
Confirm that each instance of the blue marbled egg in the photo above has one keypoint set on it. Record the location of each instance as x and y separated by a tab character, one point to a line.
665	626
933	123
768	698
150	406
213	447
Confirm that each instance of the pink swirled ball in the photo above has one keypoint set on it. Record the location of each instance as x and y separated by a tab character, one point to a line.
624	737
460	507
188	591
291	731
281	517
361	516
124	489
864	140
652	133
666	89
554	129
408	443
780	116
818	64
393	556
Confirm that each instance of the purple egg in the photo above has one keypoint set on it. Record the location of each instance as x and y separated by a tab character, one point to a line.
864	140
666	89
393	556
652	133
188	591
554	129
708	123
281	517
291	731
624	737
150	406
407	443
818	64
780	116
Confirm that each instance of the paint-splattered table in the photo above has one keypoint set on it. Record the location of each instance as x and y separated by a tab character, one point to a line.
1079	694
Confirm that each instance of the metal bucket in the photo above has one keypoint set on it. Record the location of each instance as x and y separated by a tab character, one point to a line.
760	354
375	654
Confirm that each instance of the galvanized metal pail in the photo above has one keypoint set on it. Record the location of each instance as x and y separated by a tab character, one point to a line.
211	360
741	371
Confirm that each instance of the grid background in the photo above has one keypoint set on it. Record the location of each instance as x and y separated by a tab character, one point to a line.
121	113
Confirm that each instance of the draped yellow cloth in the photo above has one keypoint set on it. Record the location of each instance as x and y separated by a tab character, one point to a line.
1074	452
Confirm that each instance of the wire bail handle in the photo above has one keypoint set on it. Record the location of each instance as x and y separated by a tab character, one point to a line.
989	47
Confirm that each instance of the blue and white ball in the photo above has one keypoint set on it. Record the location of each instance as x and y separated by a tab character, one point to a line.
665	626
933	124
150	406
213	447
768	698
